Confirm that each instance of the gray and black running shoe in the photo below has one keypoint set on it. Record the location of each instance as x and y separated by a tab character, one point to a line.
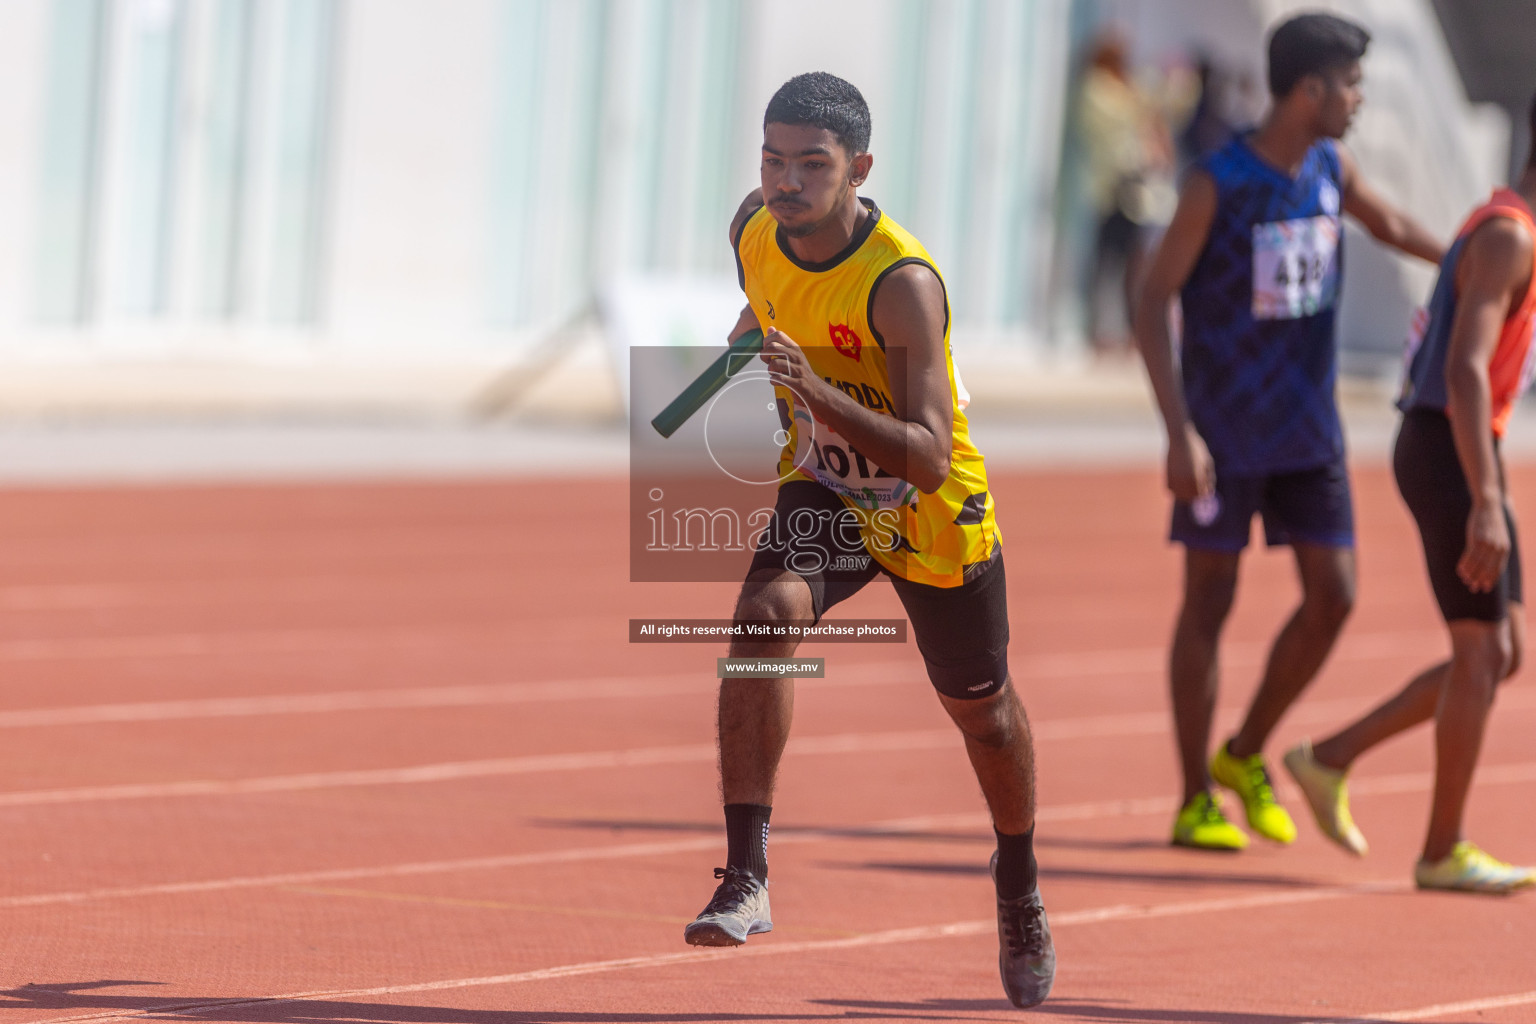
1026	956
739	908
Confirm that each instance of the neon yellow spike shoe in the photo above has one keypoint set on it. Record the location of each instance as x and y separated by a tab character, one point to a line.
1469	869
1249	779
1201	825
1326	792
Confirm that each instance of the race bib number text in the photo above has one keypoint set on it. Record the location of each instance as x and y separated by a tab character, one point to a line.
828	458
1295	267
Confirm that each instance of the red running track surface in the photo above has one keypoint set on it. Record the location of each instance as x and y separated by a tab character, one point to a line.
382	753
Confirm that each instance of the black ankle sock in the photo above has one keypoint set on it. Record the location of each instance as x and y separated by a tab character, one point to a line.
746	838
1017	874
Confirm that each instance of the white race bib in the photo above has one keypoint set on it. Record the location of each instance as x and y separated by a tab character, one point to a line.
1295	267
831	461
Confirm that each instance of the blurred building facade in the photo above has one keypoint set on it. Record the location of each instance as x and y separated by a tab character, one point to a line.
416	173
444	179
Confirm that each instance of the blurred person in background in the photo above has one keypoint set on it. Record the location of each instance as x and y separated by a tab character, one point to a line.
1210	125
1248	401
1469	361
1128	158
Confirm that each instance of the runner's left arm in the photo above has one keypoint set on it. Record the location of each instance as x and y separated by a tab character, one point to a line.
916	443
1491	274
1386	223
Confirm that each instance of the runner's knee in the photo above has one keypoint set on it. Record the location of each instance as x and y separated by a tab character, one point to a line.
1486	652
1207	601
991	721
776	598
1331	603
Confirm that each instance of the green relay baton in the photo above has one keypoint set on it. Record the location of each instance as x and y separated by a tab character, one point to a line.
693	397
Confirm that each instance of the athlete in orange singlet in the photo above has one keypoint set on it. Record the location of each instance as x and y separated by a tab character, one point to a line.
1469	360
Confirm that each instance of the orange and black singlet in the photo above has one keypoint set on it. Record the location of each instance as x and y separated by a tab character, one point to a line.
1514	358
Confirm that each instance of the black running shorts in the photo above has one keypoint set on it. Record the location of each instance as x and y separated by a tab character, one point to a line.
1430	479
961	632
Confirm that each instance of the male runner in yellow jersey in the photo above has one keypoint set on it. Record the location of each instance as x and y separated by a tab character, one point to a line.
878	475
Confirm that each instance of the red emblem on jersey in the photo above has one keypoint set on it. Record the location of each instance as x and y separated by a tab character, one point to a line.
846	341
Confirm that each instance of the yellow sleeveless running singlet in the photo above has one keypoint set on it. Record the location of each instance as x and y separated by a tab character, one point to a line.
824	308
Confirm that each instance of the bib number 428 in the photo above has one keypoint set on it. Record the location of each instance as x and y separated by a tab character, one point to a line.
1295	267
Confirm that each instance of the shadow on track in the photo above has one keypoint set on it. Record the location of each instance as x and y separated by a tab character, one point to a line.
1087	874
80	1001
1099	1013
718	828
74	1001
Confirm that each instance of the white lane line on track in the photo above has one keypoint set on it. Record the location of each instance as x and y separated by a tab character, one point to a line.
867	674
1439	1009
567	856
349	700
180	645
1364	647
923	933
929	739
844	743
897	828
513	860
440	772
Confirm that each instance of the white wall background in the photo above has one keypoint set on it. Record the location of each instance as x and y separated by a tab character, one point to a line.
426	179
21	105
416	95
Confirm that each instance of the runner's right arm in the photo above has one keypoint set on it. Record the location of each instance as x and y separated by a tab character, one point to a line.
916	441
1190	470
1490	279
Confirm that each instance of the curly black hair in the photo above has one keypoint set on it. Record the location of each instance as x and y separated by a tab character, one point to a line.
823	101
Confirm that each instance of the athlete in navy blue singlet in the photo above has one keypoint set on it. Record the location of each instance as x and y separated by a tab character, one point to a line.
1259	311
1254	254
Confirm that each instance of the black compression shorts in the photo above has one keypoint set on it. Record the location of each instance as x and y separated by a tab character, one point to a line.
962	632
1430	479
